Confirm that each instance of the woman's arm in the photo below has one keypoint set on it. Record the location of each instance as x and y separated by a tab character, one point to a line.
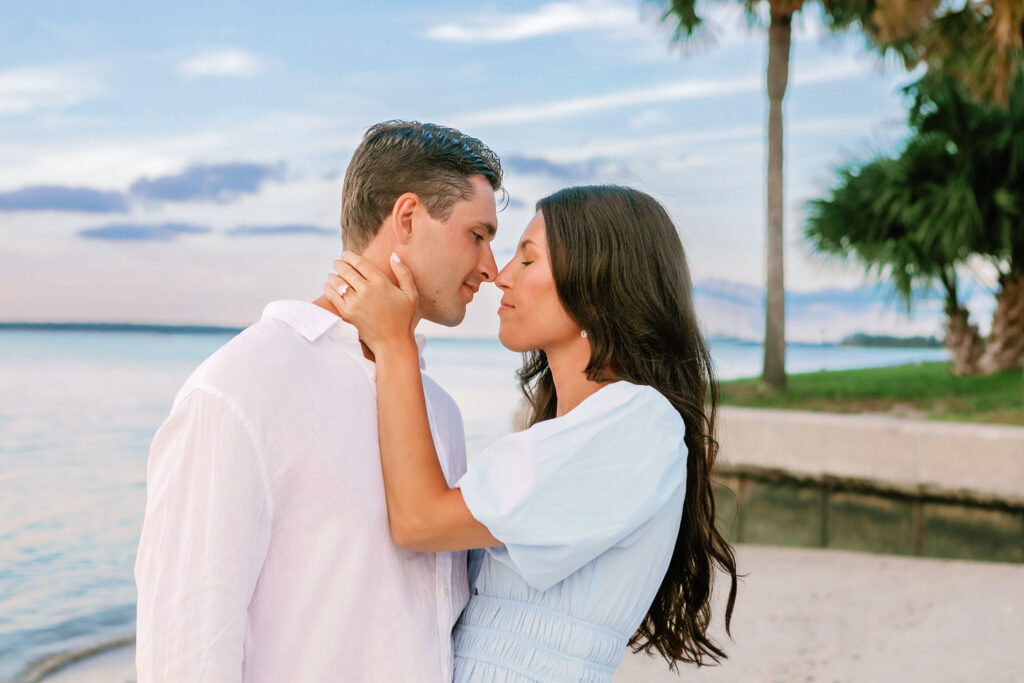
423	512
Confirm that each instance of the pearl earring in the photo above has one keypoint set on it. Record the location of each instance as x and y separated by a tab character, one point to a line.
583	333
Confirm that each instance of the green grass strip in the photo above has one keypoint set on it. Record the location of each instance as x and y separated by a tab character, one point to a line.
922	391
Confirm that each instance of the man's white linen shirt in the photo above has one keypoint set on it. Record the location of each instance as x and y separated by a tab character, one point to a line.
265	552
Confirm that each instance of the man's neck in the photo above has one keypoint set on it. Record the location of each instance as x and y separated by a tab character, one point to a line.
325	303
382	262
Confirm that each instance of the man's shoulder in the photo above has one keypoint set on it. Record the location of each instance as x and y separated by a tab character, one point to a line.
257	354
254	341
447	420
439	398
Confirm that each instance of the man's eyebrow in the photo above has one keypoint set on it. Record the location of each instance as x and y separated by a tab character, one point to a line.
492	230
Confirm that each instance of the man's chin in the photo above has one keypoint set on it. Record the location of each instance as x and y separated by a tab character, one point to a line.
452	317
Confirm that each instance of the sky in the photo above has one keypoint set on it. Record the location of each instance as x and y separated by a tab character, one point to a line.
182	163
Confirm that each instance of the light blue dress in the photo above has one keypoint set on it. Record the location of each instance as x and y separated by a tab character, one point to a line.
588	506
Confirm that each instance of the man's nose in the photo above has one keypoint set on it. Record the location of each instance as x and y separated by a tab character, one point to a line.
488	267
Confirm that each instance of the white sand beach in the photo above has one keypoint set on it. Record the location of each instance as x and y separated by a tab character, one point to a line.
838	616
826	615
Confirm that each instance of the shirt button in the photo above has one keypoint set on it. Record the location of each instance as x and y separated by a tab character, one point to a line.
444	591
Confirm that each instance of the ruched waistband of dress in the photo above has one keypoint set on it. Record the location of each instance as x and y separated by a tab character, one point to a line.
596	647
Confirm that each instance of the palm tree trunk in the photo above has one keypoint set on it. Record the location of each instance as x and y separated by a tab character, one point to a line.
962	340
779	32
1004	348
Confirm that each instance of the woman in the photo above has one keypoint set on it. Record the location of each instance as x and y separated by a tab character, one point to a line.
593	529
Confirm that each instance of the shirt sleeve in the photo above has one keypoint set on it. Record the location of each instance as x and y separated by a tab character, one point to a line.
566	490
204	539
447	429
457	445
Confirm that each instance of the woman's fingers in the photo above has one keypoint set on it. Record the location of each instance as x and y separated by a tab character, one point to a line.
366	298
404	276
363	267
339	284
335	290
333	296
352	277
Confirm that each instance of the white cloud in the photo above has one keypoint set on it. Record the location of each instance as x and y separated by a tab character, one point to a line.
828	71
631	146
724	24
625	147
25	90
649	118
575	106
552	18
112	161
728	23
226	62
107	163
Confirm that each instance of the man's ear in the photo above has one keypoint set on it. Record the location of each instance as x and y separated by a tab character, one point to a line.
402	216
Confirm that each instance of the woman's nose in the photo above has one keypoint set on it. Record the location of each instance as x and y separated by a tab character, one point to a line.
503	281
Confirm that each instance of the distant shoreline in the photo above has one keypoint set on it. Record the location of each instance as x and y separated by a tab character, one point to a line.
857	341
121	327
882	341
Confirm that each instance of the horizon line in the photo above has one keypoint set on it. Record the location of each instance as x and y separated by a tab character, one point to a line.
187	328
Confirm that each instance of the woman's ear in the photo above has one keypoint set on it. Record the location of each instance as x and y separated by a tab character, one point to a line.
402	216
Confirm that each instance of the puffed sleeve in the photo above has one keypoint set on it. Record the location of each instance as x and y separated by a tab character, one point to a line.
564	491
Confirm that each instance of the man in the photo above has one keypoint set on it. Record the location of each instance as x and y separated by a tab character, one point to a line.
265	554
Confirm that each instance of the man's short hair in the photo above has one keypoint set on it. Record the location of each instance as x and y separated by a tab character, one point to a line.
396	157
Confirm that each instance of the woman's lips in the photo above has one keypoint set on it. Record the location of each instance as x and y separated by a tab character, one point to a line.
504	307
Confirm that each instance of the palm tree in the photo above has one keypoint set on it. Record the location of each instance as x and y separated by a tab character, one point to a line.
889	214
989	142
956	191
980	42
688	24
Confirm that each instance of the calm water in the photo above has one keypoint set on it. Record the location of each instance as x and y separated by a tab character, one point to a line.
77	412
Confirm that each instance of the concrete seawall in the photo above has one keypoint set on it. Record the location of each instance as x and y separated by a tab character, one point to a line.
872	483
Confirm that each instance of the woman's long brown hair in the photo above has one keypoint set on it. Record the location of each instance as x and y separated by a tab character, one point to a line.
621	273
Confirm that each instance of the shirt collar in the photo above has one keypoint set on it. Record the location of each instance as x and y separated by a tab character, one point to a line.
312	322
